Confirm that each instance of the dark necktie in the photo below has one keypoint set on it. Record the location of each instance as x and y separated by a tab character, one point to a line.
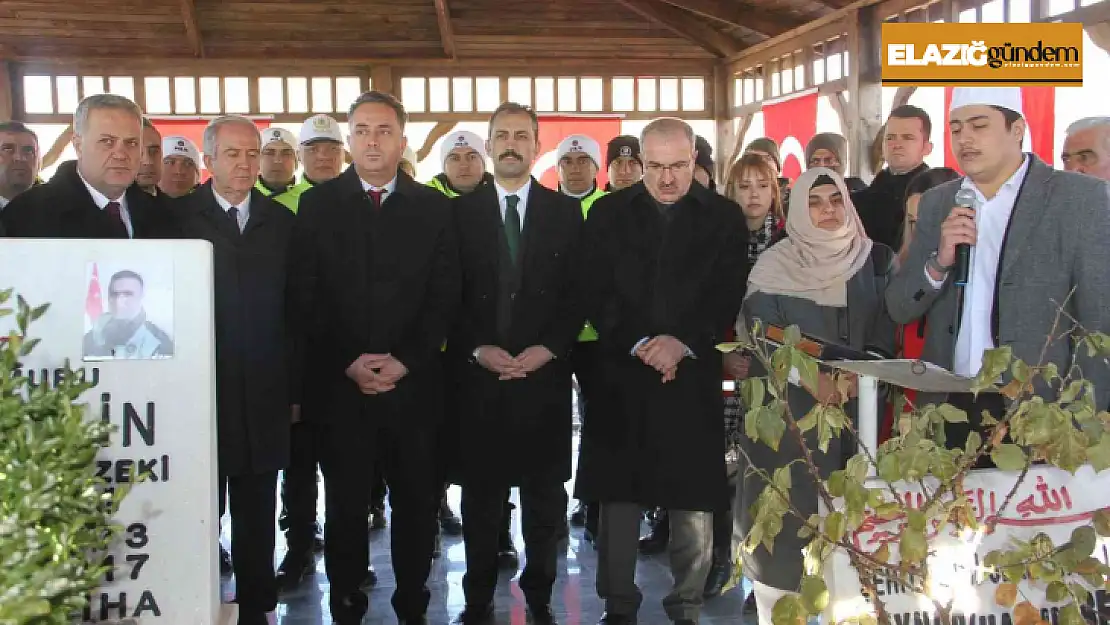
512	225
376	196
113	209
233	215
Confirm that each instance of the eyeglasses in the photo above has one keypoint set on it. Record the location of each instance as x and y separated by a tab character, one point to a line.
673	168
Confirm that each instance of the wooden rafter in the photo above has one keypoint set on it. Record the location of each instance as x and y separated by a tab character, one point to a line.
441	129
684	25
192	29
733	14
55	152
446	32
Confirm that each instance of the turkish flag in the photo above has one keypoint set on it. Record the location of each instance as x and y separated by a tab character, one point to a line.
792	123
555	128
94	304
193	128
1040	115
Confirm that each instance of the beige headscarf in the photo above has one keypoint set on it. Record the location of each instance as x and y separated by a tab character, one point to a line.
812	263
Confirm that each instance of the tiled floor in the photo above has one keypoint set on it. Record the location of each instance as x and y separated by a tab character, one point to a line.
574	600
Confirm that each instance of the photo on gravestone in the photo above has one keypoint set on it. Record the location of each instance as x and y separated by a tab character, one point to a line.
128	313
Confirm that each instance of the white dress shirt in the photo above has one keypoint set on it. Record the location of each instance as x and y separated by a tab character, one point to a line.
991	220
521	206
387	190
3	202
102	201
244	207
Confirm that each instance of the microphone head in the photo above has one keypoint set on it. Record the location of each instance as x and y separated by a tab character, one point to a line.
966	198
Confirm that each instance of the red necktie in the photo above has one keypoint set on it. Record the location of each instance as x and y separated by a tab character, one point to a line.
376	196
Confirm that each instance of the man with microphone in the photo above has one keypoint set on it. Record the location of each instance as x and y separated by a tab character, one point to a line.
1035	242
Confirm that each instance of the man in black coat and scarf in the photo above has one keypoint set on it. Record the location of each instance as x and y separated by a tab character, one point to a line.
251	237
664	271
881	206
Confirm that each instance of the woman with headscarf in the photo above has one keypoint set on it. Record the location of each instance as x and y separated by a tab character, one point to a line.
827	278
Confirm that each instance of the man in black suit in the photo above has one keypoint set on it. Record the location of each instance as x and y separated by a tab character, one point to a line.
664	274
251	237
511	344
94	197
377	283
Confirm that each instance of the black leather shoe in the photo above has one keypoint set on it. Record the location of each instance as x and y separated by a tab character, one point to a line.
476	615
318	539
225	562
448	521
685	621
377	517
541	615
507	556
578	517
370	580
617	619
719	575
437	551
252	618
293	570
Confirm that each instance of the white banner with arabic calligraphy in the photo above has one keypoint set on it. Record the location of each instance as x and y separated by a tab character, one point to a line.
1050	500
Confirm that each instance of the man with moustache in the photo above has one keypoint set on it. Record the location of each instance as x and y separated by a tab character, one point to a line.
512	341
150	163
19	160
464	165
1038	240
94	197
623	162
1087	147
375	285
279	163
321	152
180	166
664	270
251	237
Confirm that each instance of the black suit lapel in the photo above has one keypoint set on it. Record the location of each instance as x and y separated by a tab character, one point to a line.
535	223
1029	205
81	208
259	211
211	210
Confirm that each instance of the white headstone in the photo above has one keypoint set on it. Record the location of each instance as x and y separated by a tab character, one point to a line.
155	379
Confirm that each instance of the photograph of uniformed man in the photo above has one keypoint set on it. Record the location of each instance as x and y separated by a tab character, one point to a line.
124	332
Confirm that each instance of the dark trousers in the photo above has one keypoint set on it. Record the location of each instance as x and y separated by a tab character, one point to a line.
252	500
723	519
348	455
299	491
543	505
585	359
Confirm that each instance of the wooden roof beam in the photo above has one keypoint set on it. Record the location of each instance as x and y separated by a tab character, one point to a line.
192	29
727	12
446	32
684	25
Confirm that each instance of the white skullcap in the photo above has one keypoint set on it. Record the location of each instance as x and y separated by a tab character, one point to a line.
270	135
1005	97
463	139
579	143
320	127
177	145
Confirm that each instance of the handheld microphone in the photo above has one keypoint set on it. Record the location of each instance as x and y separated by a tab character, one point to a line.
965	198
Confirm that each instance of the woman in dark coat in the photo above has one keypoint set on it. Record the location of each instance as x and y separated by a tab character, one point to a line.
827	278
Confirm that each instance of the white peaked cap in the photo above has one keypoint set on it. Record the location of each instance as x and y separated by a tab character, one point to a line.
461	139
1005	97
321	127
270	135
579	143
177	145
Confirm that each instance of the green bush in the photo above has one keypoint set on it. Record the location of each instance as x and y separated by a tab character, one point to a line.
55	518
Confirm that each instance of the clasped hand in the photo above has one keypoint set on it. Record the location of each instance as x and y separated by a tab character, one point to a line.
663	353
376	373
497	360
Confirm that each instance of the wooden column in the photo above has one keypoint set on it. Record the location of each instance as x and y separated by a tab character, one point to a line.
865	100
381	79
722	114
7	99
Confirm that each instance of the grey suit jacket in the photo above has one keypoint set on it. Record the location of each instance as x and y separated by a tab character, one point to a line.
1058	239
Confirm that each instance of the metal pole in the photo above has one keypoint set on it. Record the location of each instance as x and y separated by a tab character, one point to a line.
869	416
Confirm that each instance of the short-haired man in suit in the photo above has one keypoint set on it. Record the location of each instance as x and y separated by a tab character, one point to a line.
1039	242
377	285
94	197
150	160
664	271
19	160
251	238
512	341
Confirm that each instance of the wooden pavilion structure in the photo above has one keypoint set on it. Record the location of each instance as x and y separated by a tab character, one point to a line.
453	60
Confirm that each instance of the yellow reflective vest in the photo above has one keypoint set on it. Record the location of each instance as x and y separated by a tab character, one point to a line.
289	198
588	332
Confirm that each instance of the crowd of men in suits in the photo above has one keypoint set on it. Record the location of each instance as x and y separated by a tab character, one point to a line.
377	327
